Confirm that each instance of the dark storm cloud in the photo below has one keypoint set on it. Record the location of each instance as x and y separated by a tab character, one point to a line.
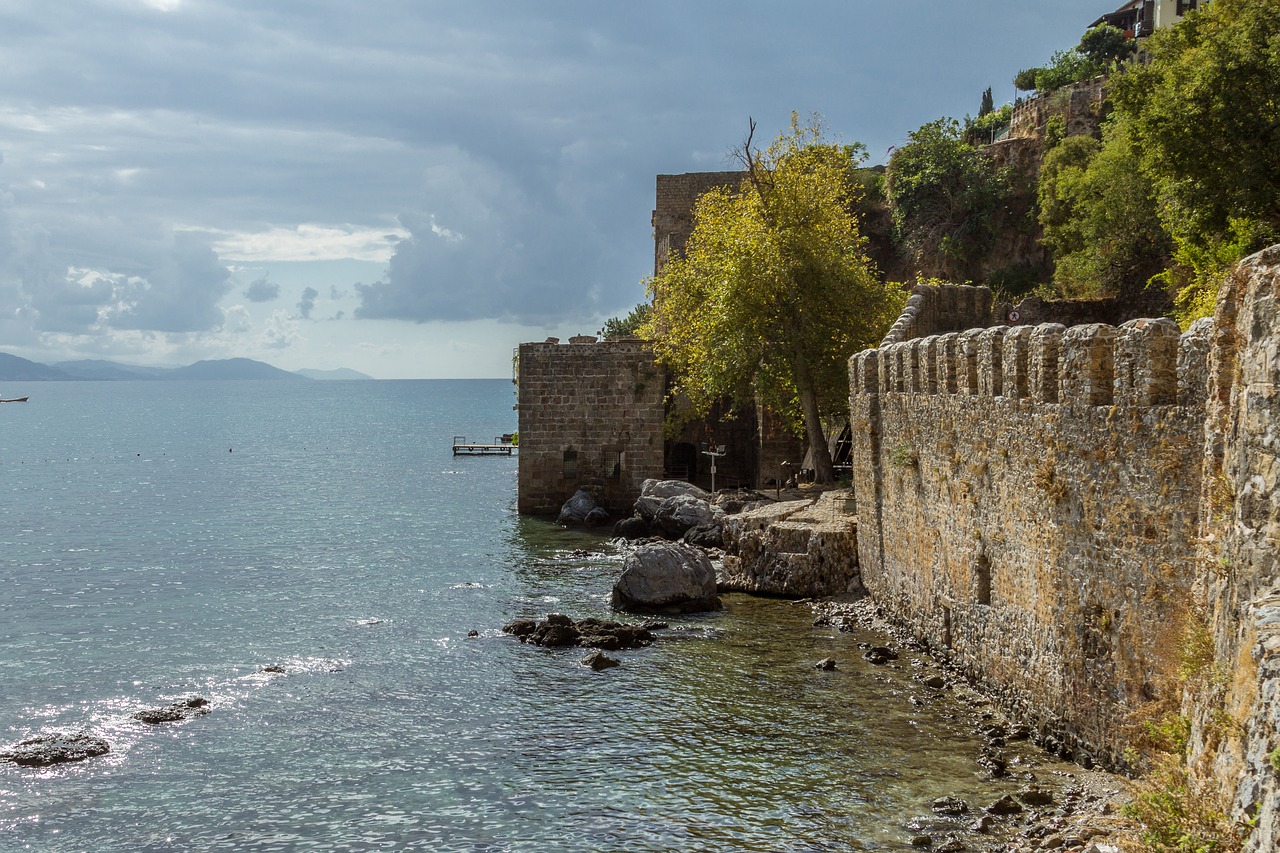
307	302
516	142
261	290
180	294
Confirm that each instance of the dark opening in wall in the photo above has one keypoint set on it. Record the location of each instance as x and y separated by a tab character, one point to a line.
612	465
982	579
571	464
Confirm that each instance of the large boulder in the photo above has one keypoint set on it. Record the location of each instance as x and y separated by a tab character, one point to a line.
57	748
679	513
666	577
581	510
670	488
634	527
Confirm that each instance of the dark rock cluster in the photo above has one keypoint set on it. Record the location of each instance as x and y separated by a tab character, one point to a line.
192	706
56	748
559	630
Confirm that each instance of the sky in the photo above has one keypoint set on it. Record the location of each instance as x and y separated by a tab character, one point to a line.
410	188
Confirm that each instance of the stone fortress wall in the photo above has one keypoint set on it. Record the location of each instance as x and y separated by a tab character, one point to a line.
1028	502
1056	509
590	415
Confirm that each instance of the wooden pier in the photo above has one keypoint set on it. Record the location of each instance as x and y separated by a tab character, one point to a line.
501	446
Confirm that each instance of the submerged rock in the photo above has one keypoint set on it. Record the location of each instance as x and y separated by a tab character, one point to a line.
667	578
57	748
880	655
598	660
826	664
952	806
193	706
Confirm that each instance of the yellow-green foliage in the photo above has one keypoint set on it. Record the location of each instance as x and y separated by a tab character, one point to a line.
774	292
1177	815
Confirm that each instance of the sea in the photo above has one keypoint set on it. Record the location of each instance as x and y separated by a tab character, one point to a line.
160	540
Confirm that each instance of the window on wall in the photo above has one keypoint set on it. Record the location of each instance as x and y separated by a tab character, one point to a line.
1185	6
612	465
571	464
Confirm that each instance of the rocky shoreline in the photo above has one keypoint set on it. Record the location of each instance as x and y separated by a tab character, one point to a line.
1055	809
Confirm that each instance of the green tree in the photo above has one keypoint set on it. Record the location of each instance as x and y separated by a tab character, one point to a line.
988	103
1204	115
774	291
1025	80
1099	217
621	327
1106	45
943	195
1065	67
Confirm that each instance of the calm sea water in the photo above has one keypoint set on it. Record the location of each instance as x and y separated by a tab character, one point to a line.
164	539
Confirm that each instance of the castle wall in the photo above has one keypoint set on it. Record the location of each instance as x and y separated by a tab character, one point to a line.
1079	105
1027	500
1236	703
590	415
673	209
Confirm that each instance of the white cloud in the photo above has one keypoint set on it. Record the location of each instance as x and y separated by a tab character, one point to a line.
307	242
281	331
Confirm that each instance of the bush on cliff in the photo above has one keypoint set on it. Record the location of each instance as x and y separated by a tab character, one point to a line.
1099	216
945	196
1203	118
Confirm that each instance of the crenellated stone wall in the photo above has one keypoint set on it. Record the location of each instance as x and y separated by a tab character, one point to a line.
1028	502
590	415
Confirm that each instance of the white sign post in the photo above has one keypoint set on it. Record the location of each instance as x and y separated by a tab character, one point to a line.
715	451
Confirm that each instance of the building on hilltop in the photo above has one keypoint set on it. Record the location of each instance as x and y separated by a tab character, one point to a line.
1140	18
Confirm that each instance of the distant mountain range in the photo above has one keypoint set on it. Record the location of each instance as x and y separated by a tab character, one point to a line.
15	369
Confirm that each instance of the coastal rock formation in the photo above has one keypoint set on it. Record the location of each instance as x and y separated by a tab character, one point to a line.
666	578
560	630
192	706
796	548
581	510
56	748
634	527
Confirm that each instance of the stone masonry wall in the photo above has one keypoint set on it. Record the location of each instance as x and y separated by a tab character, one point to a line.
673	210
590	414
1079	105
1236	710
1027	503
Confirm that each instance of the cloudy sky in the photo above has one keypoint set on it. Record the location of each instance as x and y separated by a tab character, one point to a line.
409	187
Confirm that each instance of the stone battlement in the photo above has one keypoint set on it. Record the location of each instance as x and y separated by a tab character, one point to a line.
1028	496
1145	362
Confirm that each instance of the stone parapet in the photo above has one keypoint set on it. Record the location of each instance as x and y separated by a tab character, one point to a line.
1142	363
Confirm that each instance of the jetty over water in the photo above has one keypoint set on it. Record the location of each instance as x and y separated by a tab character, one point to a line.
501	446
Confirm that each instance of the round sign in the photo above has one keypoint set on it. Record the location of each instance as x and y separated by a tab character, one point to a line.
1015	315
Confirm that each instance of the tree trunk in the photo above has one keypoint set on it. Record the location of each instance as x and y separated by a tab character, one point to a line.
823	468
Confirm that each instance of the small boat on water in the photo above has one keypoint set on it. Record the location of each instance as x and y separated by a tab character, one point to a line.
15	400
